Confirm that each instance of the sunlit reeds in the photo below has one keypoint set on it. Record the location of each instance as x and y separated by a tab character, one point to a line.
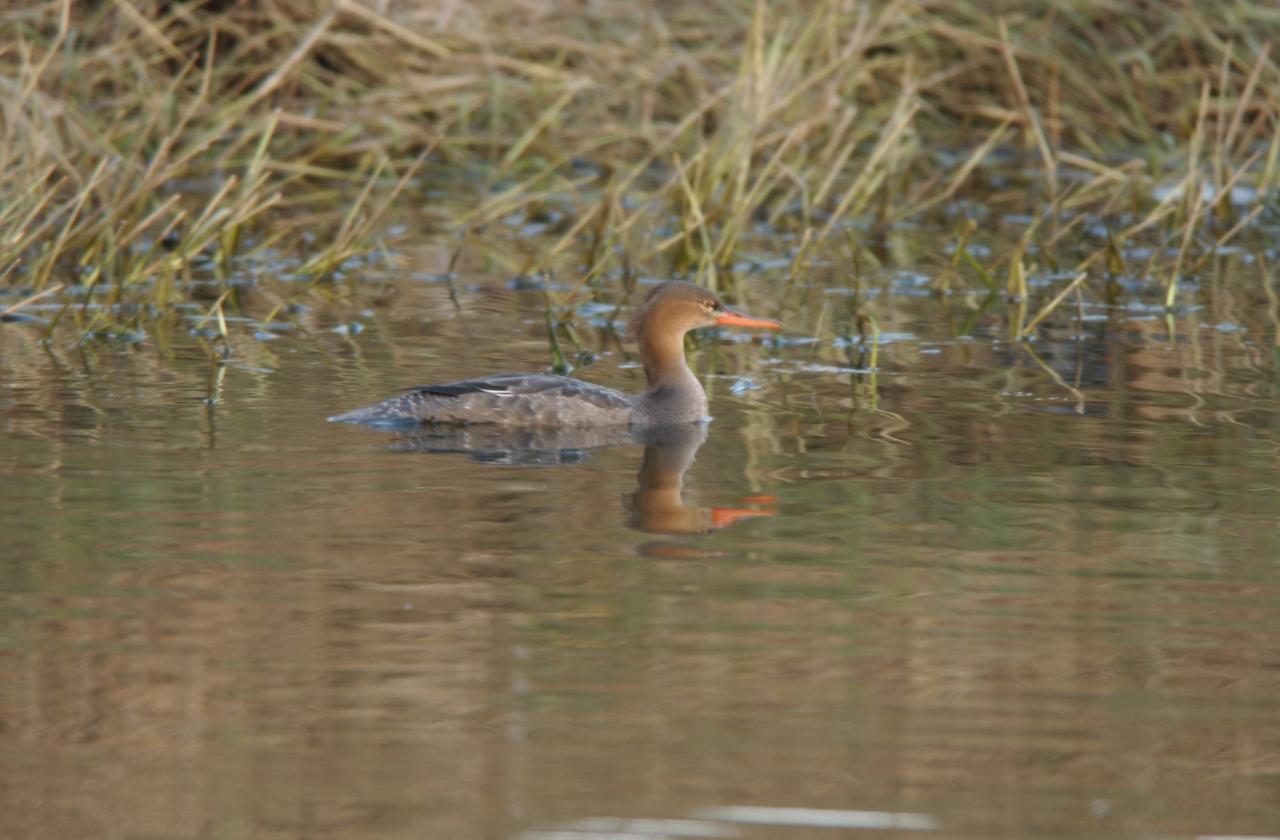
146	143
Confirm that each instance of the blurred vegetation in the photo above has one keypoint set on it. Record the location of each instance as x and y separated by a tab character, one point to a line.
150	143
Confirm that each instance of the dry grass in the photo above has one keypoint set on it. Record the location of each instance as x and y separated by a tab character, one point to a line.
146	142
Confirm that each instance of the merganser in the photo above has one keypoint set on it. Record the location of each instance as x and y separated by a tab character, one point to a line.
672	396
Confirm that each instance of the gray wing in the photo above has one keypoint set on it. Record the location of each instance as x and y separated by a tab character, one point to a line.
515	399
530	385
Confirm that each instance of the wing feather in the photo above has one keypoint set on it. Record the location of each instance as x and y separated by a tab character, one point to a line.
529	385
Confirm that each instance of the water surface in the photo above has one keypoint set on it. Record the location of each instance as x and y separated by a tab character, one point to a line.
996	590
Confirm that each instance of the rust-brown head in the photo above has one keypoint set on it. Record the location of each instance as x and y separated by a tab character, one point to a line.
675	307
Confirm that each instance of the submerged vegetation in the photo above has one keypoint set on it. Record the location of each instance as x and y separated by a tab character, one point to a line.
157	153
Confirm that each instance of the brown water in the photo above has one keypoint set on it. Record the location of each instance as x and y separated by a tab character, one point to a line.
992	593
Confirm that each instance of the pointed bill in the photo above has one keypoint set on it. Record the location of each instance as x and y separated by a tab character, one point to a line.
729	318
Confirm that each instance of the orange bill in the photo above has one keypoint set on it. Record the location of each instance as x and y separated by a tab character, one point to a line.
729	318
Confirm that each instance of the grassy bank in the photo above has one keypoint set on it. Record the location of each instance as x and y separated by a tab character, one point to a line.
149	148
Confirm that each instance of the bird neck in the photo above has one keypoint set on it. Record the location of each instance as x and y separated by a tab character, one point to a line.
674	395
665	366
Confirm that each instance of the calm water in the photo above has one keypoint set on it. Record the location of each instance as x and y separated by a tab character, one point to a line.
992	593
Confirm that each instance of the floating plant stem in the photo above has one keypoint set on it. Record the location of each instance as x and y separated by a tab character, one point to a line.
559	363
44	293
1057	378
983	274
1045	310
1188	231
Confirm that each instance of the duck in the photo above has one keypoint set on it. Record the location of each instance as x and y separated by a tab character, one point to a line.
672	396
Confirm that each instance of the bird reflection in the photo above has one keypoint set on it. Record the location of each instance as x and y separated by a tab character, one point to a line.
656	506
